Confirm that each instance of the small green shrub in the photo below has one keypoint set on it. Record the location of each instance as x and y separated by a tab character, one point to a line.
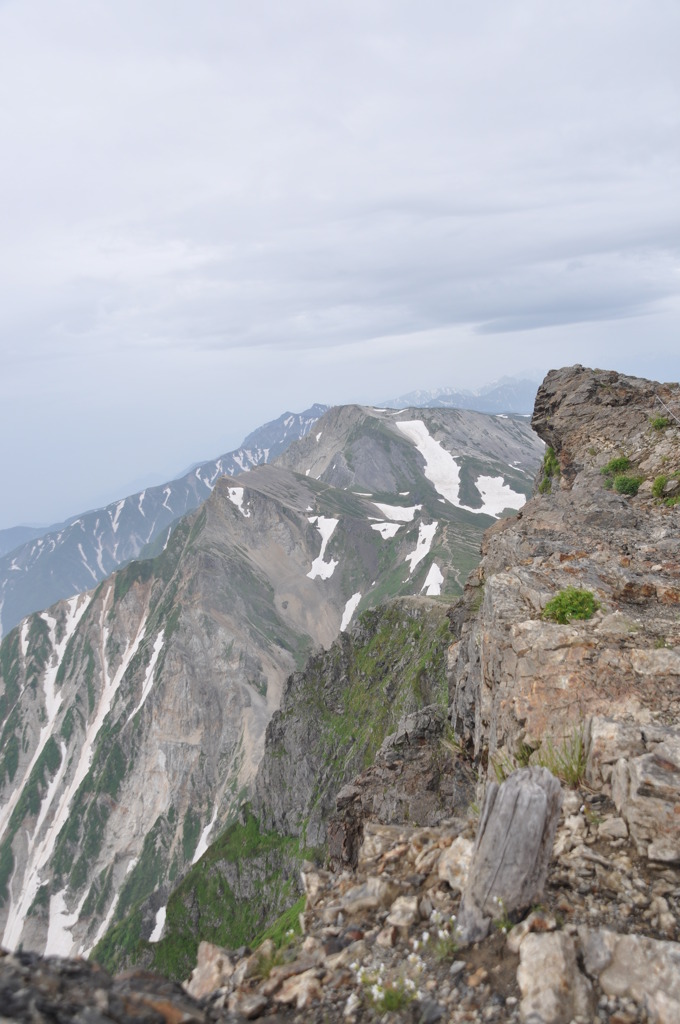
658	485
618	465
627	484
660	423
571	603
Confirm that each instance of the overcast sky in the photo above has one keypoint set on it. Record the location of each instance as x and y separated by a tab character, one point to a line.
212	212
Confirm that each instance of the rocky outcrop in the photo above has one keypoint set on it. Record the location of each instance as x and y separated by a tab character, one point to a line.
521	681
416	777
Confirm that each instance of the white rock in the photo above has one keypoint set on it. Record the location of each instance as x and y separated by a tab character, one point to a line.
454	863
553	989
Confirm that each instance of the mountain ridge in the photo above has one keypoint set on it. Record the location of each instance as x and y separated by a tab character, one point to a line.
70	557
117	727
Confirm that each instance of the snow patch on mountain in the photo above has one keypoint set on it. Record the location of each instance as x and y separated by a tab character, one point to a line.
149	677
426	534
66	938
58	930
159	925
236	496
116	516
23	638
404	515
441	469
433	582
202	845
40	853
75	609
443	472
386	530
497	495
349	611
86	564
323	570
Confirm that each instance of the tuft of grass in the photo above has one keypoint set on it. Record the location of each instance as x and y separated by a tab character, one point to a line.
571	603
660	423
566	762
627	484
658	485
550	469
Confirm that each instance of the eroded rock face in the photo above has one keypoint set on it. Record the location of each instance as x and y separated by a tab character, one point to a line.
518	679
416	778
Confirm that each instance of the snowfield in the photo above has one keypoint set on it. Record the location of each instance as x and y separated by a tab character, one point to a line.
398	512
323	570
386	530
425	538
349	611
443	472
236	496
433	582
496	495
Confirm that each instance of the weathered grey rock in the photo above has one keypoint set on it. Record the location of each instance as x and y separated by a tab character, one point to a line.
553	989
612	828
644	969
404	913
302	989
646	791
512	849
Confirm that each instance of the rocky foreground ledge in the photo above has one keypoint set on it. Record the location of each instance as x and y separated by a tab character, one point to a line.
600	946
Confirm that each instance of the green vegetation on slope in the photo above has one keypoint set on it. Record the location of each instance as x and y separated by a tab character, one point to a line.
206	906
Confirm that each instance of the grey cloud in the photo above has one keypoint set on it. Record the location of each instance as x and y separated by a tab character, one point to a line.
246	191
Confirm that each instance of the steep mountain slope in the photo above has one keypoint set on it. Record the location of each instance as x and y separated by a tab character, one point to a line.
334	715
75	555
15	536
133	716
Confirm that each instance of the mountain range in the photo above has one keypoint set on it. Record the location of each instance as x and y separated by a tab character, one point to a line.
507	395
133	715
41	566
